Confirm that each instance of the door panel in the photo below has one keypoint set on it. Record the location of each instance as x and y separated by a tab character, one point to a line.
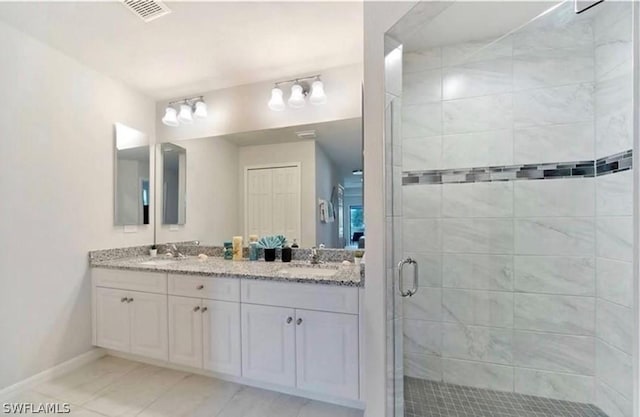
148	314
221	336
268	344
185	331
112	319
327	353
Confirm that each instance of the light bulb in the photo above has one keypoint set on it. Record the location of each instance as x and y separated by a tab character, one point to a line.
317	93
276	103
170	118
201	110
297	96
185	116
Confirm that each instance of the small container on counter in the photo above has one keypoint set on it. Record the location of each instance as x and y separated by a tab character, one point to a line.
237	248
228	250
269	254
286	254
253	251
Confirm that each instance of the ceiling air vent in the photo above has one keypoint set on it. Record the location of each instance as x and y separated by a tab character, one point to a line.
306	134
147	10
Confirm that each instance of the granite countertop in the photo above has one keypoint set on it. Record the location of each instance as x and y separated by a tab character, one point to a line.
298	271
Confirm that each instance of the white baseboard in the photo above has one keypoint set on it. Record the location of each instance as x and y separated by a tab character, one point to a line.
243	381
51	373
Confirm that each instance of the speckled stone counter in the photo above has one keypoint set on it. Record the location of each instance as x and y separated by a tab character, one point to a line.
297	271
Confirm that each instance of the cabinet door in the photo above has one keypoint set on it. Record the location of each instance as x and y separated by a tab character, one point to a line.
268	344
112	319
185	331
327	353
221	336
148	314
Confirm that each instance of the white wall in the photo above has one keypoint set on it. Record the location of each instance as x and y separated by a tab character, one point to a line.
302	152
212	193
326	179
56	179
244	108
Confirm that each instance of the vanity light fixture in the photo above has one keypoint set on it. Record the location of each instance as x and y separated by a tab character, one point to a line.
299	91
317	92
276	103
296	100
189	108
357	172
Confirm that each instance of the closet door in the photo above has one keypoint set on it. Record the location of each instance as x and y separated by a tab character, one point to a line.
272	203
286	202
259	202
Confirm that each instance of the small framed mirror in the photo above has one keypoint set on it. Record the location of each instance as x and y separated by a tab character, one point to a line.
174	184
132	172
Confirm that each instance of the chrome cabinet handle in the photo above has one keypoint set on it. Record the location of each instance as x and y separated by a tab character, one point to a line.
199	287
123	300
289	320
196	308
299	322
414	288
130	300
204	309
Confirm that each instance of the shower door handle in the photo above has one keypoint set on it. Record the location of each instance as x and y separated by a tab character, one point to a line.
414	287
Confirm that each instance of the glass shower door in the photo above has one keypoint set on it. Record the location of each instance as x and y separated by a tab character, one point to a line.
509	160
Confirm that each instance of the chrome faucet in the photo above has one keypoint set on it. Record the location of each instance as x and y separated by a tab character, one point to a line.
314	258
173	250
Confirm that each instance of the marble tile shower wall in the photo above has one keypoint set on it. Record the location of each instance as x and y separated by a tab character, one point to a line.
612	28
524	285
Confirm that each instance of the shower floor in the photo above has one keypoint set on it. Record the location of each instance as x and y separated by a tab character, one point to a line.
437	399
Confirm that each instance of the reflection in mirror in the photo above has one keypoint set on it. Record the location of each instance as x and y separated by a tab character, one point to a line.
132	168
304	182
174	184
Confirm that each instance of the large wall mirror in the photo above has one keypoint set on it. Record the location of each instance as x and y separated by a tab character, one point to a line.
174	183
132	172
304	182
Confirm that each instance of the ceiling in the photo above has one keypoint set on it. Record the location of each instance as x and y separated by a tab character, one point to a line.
200	46
464	21
341	140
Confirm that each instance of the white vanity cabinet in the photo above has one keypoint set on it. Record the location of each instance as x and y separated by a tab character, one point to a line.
268	344
205	334
327	353
131	321
204	323
293	337
290	341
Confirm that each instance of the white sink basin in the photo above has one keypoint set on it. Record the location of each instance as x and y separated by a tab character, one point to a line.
308	271
159	262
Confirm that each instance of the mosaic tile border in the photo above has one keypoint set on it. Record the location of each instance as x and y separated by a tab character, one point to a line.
553	170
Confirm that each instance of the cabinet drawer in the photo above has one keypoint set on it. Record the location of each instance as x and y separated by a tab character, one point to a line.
225	289
130	280
296	295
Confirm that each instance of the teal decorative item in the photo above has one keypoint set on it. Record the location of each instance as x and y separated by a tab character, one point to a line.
253	251
228	250
271	242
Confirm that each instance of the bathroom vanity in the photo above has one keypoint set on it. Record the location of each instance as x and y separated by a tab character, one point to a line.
290	327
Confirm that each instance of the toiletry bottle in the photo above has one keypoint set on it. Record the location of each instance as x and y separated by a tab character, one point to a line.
286	254
228	250
295	244
253	251
237	248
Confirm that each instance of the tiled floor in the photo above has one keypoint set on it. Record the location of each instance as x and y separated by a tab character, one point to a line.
116	387
437	399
